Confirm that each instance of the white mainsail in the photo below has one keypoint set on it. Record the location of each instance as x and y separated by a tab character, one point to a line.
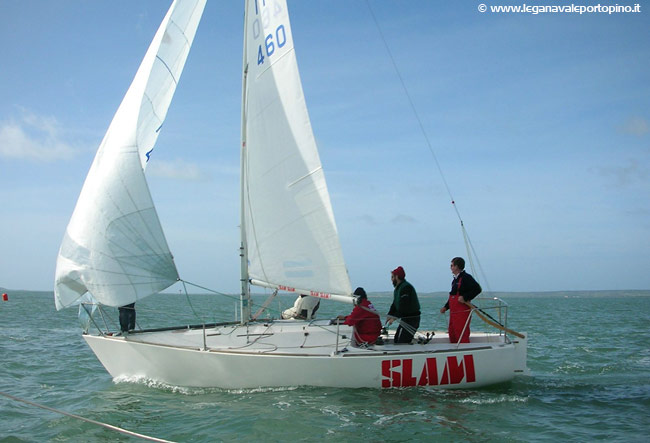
290	230
114	246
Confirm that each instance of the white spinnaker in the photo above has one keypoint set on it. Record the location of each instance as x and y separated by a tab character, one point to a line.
290	229
114	246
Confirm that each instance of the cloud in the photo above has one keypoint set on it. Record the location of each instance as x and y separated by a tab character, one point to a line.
176	170
367	219
401	219
34	138
635	126
631	172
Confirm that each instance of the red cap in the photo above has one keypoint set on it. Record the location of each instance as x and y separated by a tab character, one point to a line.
399	272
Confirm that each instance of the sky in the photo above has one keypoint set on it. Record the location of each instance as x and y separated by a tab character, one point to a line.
540	124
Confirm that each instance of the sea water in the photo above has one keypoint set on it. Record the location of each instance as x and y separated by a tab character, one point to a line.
588	353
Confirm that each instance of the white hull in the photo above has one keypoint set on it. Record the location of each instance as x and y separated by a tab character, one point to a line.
292	353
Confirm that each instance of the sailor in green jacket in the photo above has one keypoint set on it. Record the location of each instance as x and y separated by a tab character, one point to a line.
405	307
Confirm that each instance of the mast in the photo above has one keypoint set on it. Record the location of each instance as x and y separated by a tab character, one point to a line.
245	295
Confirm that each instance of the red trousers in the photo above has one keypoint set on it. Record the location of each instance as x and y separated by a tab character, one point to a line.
458	316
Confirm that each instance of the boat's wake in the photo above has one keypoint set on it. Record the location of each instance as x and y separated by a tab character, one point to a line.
156	384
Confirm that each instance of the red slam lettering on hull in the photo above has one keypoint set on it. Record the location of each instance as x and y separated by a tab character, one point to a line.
399	373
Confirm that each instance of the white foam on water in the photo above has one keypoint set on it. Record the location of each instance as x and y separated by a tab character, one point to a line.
139	379
389	418
494	400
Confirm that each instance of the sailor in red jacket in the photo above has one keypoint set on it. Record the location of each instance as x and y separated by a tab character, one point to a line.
365	320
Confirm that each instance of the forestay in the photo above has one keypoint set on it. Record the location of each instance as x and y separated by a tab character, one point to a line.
290	230
114	246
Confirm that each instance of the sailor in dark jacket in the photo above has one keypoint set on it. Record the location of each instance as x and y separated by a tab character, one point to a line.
127	317
463	289
405	307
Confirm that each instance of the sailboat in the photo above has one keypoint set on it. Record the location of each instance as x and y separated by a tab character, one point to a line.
114	251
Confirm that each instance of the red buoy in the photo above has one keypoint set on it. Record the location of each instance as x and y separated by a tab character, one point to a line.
5	297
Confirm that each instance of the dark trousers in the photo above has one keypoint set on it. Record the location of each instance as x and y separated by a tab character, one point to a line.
127	317
404	336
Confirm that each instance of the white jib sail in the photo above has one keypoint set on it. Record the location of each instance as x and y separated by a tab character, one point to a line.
114	246
290	229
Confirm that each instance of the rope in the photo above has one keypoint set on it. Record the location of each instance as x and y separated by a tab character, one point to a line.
98	423
484	316
408	328
488	315
468	243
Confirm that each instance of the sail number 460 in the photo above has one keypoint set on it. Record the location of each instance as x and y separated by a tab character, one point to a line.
269	43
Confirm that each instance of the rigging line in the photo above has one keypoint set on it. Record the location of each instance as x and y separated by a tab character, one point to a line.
146	310
410	100
247	205
187	296
264	305
408	328
469	246
206	289
478	262
98	423
217	293
209	290
253	304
